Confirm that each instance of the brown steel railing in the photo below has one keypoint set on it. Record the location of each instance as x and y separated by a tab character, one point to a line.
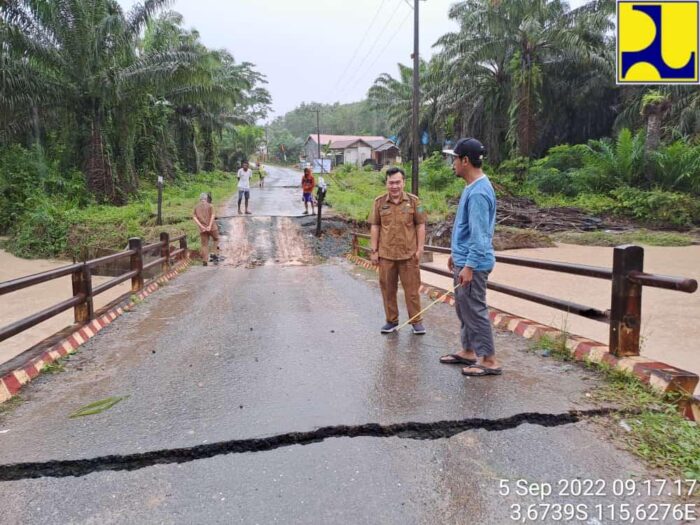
627	278
83	290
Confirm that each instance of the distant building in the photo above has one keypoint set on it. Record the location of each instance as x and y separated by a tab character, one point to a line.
352	149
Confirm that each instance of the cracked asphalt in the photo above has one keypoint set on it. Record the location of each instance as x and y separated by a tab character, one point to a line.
239	353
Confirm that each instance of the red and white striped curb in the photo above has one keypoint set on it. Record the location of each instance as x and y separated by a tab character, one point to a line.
12	382
661	376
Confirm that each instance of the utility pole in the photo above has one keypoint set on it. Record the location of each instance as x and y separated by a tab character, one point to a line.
416	100
318	136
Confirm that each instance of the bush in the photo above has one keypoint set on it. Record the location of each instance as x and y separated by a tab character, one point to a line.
516	168
344	169
42	230
25	175
677	167
657	206
552	181
435	173
564	158
618	162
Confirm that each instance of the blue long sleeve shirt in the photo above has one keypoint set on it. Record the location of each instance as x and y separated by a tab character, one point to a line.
472	232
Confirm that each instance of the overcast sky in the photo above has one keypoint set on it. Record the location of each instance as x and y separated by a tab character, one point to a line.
317	50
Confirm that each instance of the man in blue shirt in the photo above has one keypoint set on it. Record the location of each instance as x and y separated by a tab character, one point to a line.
472	260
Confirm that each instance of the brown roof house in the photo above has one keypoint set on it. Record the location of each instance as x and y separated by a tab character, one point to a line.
352	149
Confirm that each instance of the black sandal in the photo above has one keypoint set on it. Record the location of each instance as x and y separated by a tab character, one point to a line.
457	359
485	371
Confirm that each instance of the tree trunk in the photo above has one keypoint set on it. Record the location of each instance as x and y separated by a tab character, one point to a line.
96	166
209	162
651	144
526	122
653	138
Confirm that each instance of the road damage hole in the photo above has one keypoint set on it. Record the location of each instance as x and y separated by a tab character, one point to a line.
410	430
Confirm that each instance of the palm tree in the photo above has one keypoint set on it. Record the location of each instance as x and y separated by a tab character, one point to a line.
394	96
78	63
82	67
507	56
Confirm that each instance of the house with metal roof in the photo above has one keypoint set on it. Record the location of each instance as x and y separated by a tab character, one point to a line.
352	149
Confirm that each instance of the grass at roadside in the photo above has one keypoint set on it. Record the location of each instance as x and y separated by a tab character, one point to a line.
647	237
9	405
352	192
86	232
658	434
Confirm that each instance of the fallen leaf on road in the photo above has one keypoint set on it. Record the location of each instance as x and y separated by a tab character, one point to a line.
97	407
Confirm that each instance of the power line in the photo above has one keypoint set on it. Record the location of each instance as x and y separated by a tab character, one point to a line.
376	41
362	40
378	56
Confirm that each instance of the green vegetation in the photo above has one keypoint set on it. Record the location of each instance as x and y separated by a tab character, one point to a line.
53	368
567	177
95	103
9	405
657	433
53	225
353	190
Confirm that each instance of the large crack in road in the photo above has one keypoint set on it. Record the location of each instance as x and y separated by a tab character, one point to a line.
410	430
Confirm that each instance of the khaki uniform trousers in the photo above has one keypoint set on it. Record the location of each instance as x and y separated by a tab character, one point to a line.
204	239
409	272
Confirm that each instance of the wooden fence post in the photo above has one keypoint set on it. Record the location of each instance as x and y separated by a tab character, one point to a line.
626	304
183	245
165	251
82	284
136	264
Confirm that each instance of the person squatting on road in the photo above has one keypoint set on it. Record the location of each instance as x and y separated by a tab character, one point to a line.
398	237
307	188
244	174
472	260
204	218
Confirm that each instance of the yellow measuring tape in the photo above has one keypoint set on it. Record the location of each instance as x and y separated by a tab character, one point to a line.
448	292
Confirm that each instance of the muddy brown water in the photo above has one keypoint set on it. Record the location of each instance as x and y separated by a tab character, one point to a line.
670	320
20	304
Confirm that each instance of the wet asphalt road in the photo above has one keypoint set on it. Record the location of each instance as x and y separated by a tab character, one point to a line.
226	353
280	197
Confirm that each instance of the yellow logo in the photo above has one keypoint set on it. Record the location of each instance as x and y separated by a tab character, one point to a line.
657	42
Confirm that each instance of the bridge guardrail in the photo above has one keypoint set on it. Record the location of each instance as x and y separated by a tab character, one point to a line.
81	275
627	277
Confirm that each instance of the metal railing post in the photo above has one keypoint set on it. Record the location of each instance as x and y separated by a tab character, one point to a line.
82	284
165	251
626	303
136	264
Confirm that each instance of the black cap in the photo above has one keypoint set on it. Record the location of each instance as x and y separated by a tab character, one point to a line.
470	148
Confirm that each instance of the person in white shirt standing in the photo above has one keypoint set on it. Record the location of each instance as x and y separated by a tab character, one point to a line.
244	174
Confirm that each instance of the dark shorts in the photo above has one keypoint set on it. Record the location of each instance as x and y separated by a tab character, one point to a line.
245	193
308	197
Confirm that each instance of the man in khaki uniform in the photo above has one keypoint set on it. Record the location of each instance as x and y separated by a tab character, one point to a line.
398	238
203	216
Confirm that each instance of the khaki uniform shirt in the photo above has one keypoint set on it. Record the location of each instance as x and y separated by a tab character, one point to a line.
204	211
397	235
